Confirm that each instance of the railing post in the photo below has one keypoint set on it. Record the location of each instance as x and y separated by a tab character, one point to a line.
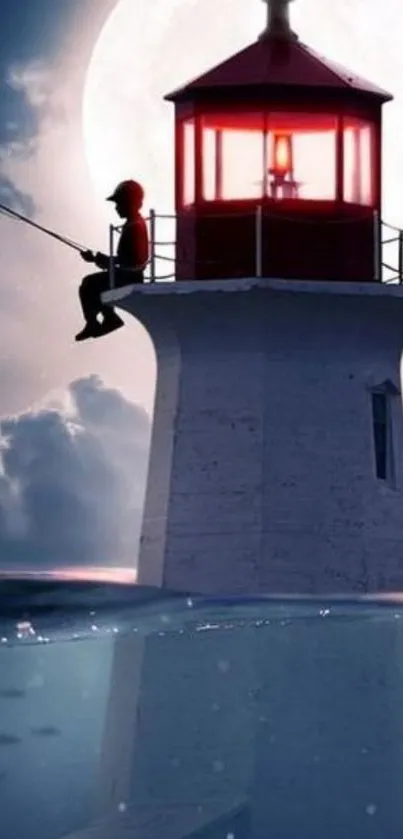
400	268
111	257
258	241
377	247
152	246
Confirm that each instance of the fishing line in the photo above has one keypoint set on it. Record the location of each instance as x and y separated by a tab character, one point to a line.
59	238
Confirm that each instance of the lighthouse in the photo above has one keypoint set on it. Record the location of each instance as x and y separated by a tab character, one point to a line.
276	464
276	456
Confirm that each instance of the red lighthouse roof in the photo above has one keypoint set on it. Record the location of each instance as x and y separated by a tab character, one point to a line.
278	60
272	63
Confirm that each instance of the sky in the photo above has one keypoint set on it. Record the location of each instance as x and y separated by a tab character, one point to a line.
75	423
81	86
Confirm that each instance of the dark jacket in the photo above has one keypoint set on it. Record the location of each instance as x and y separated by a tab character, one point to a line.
133	249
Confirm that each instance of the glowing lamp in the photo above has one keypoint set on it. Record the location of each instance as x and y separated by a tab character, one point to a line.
282	155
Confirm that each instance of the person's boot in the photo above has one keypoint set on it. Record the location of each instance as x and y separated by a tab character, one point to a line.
90	330
111	322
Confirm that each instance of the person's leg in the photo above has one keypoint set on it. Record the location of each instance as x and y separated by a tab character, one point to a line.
90	292
111	319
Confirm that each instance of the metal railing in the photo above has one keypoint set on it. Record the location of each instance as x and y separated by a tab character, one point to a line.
151	274
392	270
388	252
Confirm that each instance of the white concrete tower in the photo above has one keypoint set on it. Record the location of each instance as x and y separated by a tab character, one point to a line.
276	458
276	461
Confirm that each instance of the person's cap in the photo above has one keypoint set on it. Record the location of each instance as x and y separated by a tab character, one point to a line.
127	189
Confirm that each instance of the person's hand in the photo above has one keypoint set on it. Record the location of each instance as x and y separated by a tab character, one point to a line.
87	256
101	261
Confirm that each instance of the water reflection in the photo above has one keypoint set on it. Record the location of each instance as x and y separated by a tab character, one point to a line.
128	713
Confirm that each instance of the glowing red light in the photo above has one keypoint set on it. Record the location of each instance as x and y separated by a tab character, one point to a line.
282	154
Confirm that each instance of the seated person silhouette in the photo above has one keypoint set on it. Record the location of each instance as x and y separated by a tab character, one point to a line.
130	261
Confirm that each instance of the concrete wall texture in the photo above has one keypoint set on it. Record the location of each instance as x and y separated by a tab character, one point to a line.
262	470
262	479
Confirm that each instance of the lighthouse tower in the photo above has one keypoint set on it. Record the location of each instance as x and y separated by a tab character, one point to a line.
276	464
276	457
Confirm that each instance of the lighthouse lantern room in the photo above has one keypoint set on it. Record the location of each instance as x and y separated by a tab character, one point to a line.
278	165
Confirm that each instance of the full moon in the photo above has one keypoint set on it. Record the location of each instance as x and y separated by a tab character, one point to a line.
146	49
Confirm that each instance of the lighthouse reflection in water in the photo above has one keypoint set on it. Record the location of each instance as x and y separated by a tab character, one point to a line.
128	713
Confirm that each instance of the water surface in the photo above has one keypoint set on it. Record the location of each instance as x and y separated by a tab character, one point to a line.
125	712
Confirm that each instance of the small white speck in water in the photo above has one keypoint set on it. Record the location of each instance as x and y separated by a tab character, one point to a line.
223	666
324	613
371	809
215	707
230	836
189	603
25	630
122	807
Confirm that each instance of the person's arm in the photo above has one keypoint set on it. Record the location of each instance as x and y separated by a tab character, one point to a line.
101	260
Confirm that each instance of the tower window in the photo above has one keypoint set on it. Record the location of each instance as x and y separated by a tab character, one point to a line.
382	437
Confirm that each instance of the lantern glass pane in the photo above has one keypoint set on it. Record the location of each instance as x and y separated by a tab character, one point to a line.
232	149
358	166
246	163
189	162
210	148
242	164
312	156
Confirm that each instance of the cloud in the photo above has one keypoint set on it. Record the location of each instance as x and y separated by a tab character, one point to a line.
33	80
44	171
14	198
72	482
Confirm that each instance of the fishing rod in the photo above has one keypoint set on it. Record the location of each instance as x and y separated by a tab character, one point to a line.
65	241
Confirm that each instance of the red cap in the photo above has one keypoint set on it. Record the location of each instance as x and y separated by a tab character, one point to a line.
128	189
